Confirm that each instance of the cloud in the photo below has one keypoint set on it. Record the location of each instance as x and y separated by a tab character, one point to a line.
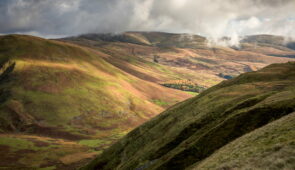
211	18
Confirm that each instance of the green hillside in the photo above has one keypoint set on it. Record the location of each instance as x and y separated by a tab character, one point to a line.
71	94
223	120
271	146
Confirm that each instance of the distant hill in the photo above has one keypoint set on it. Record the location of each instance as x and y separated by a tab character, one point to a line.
185	56
159	39
244	123
270	45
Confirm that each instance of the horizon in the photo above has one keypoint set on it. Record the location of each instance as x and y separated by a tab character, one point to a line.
214	18
225	41
119	33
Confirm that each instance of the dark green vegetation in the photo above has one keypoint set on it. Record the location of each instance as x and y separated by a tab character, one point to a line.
269	147
242	120
184	85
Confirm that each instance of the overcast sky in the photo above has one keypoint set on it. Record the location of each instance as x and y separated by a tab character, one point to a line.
211	18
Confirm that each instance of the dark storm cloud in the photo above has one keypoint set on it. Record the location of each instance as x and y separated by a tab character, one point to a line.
213	18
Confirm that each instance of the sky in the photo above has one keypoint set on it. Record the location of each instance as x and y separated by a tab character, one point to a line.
210	18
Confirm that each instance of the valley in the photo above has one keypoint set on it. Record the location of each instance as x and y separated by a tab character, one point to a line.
64	101
243	123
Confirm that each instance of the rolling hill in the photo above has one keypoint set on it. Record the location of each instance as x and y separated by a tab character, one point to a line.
64	101
185	57
56	91
246	122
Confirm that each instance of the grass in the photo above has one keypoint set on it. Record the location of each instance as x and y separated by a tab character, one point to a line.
59	91
64	91
258	149
17	144
192	93
97	95
48	168
160	102
93	142
35	151
198	127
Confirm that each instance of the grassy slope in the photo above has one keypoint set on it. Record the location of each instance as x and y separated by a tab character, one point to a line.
64	91
193	130
271	146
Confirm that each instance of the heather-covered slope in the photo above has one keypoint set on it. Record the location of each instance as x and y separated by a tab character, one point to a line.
62	91
191	131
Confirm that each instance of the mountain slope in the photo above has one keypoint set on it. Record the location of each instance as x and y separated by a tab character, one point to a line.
191	131
63	91
271	146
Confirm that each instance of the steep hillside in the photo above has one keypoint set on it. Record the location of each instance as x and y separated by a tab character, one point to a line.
271	146
218	128
62	91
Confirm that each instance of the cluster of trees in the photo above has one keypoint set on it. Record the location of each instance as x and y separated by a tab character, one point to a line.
185	85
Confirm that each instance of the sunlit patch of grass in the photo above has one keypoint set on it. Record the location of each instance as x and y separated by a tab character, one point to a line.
192	93
48	168
17	144
160	102
93	142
